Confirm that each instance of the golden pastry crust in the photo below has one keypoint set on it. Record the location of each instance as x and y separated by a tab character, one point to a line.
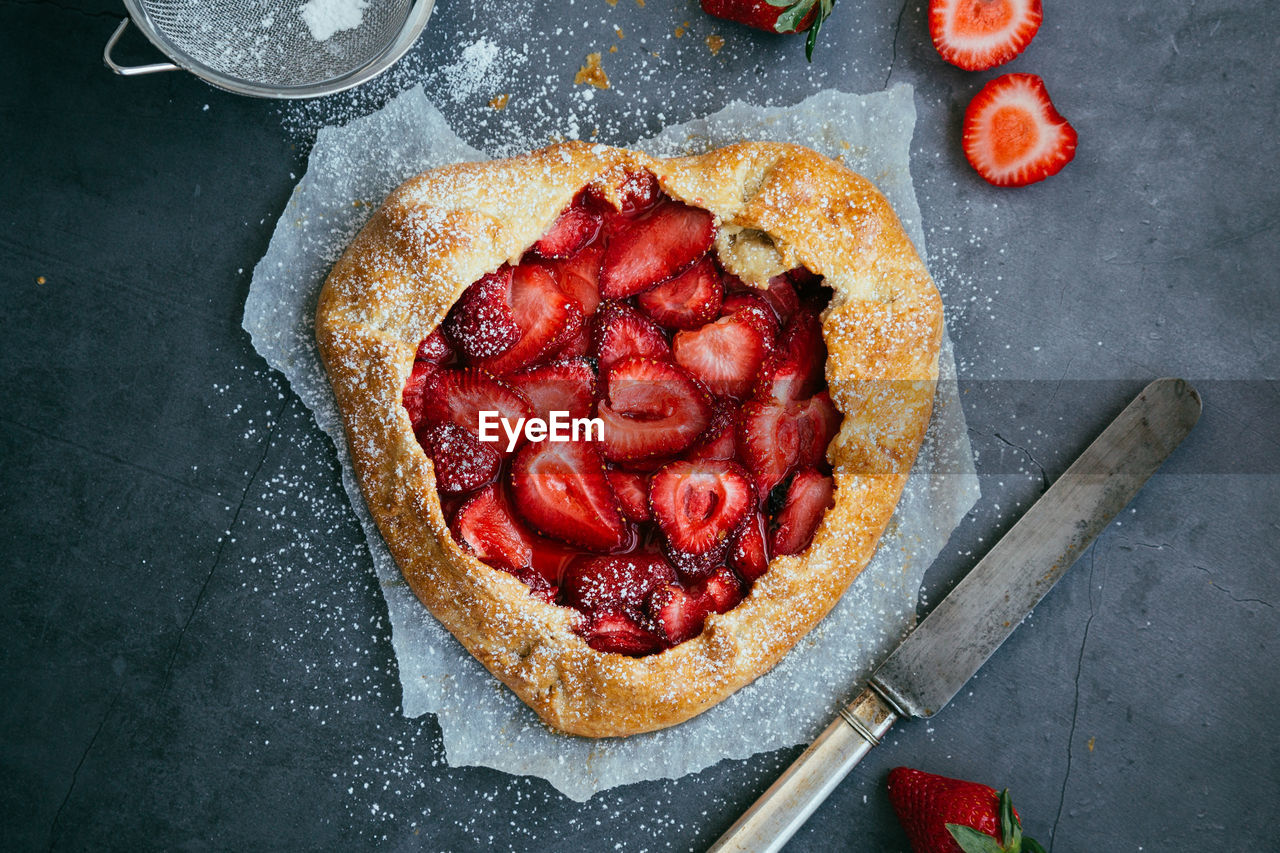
776	207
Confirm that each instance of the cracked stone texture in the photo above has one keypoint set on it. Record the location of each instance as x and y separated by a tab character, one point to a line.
196	654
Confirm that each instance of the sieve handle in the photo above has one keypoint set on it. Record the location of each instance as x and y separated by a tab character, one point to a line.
130	70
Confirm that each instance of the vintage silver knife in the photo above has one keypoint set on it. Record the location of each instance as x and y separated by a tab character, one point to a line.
944	651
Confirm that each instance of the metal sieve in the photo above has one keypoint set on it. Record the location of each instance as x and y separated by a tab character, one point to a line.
265	48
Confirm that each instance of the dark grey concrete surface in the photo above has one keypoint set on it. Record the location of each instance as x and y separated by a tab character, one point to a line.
195	651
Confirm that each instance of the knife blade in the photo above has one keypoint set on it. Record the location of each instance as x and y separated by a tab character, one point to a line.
944	651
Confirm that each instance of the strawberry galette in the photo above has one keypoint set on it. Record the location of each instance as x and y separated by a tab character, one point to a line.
631	426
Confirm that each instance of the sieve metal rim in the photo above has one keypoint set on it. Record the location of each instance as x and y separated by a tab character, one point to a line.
415	22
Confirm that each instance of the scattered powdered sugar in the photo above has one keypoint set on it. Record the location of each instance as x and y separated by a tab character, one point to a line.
326	18
482	723
478	69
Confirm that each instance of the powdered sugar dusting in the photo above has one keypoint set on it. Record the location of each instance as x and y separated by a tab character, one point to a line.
481	722
327	18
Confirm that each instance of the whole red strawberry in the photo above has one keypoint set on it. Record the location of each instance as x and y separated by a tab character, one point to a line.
942	815
775	16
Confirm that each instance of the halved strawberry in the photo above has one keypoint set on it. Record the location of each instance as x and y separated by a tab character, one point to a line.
459	396
722	591
482	323
980	34
576	227
612	584
650	408
415	388
632	490
461	461
434	348
1013	135
677	614
768	442
619	633
619	332
686	301
562	386
720	439
726	355
748	554
736	301
546	318
698	504
808	498
579	277
818	422
796	367
655	247
560	488
484	526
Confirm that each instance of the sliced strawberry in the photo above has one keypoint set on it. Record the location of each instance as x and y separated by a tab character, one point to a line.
721	592
550	557
562	386
632	490
748	554
611	584
720	439
459	396
578	346
808	498
980	34
650	408
560	488
735	302
483	525
796	368
655	247
726	355
619	332
579	277
677	614
434	348
686	301
461	462
768	442
415	387
698	504
637	192
818	422
546	317
619	633
695	567
576	227
1013	135
482	323
781	296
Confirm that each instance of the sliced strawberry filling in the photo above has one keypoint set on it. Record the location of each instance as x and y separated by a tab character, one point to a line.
713	413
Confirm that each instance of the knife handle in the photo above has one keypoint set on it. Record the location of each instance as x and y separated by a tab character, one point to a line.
782	809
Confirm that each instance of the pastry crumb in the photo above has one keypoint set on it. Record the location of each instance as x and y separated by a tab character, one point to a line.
679	32
612	2
40	279
618	30
613	49
640	3
499	102
714	43
591	73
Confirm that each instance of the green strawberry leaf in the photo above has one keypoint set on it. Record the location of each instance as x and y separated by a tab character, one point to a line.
972	841
789	21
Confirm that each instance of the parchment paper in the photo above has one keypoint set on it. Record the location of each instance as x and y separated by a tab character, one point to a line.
351	170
